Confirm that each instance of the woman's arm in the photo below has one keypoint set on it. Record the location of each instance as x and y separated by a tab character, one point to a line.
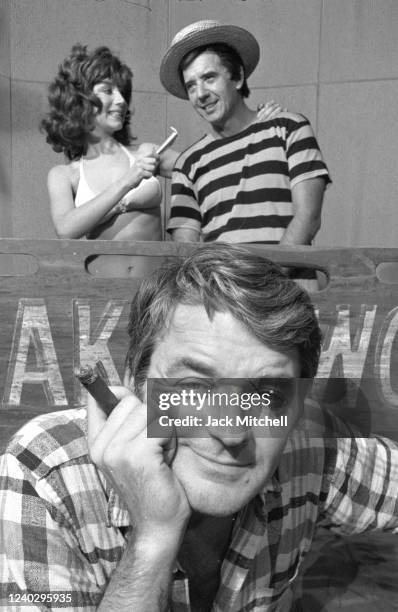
75	222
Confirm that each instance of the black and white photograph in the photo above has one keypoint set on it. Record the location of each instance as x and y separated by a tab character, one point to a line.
199	305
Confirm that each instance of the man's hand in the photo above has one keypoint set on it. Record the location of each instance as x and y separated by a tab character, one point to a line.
270	110
137	468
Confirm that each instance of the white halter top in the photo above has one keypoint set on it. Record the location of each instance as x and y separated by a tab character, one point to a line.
151	186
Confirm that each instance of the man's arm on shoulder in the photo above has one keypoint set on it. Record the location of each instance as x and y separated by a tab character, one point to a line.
307	199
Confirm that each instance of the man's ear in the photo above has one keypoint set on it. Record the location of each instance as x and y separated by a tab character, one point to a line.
305	386
241	79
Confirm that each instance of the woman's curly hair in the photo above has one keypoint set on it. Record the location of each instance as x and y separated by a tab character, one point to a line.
73	104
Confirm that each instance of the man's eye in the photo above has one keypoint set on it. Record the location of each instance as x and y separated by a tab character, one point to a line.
196	384
278	400
279	392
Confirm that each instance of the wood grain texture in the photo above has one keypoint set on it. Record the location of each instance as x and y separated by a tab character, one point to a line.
61	316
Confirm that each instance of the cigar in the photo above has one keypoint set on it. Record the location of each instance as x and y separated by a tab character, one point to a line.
95	384
92	379
169	141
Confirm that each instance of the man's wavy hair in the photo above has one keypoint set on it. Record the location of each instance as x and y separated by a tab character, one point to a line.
72	103
225	278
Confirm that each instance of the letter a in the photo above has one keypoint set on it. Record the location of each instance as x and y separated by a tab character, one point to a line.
32	330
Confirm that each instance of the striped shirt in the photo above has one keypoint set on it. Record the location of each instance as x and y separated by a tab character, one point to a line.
63	530
238	189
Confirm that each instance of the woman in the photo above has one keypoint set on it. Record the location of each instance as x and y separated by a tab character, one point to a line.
108	189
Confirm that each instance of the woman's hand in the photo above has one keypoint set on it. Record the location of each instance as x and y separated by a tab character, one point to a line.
145	166
167	159
270	110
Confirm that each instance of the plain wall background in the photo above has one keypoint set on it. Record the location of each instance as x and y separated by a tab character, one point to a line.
335	61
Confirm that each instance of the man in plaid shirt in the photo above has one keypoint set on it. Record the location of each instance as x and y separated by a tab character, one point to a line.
97	515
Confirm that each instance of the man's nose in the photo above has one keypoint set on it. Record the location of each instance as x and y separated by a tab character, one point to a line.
227	425
236	438
201	91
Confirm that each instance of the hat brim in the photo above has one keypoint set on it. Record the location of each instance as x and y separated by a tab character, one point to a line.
238	38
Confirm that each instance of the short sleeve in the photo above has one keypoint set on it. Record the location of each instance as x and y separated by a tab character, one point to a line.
184	209
303	154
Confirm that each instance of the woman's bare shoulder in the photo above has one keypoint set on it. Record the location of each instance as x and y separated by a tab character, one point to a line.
65	172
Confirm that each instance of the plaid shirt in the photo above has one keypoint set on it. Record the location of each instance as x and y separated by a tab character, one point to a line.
63	529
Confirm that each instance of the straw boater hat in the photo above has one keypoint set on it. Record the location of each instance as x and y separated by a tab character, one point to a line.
206	33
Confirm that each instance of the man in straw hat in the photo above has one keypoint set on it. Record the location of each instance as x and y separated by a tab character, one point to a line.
247	180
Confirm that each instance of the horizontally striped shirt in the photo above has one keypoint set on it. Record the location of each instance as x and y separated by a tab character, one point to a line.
238	189
64	530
